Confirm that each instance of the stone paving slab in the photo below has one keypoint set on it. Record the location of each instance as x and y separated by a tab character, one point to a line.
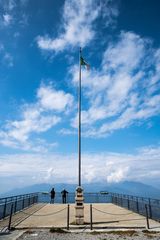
104	216
20	216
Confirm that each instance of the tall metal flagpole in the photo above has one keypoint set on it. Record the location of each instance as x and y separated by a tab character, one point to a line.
79	121
79	199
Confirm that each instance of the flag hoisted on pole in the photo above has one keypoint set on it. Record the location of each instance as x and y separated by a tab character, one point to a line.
82	62
79	199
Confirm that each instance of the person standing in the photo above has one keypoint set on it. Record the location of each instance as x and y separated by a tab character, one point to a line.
52	195
64	196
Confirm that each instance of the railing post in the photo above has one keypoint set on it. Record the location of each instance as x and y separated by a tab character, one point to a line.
150	208
137	205
128	203
10	217
112	198
121	201
91	224
68	217
15	206
96	198
117	199
36	199
33	200
147	219
4	210
23	202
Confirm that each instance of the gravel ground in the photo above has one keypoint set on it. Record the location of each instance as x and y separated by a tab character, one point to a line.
127	235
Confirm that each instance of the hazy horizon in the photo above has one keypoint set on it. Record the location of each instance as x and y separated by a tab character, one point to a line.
91	185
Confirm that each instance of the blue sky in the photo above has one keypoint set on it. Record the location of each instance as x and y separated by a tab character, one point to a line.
39	54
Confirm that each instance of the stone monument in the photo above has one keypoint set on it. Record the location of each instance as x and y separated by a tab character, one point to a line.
79	207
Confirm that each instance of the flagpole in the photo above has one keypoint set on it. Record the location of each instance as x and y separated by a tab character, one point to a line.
79	121
79	199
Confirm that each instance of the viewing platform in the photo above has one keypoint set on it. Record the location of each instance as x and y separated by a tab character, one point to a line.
106	211
105	216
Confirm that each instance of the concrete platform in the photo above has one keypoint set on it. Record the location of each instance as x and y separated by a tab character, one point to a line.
104	216
19	216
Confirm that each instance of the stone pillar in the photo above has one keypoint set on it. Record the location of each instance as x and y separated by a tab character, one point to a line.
79	207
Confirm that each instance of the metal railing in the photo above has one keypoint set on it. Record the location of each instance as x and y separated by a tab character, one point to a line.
16	203
140	205
148	207
88	197
134	203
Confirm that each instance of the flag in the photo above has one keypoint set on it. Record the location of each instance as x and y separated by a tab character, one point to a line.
84	63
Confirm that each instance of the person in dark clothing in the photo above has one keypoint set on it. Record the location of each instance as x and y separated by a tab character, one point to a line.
52	195
64	195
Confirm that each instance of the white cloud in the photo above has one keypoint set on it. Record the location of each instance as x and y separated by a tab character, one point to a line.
9	9
78	24
7	19
44	167
126	53
8	5
118	175
123	91
49	174
36	118
108	167
65	131
20	130
51	99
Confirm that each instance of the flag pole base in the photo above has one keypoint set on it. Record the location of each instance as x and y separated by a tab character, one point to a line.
79	206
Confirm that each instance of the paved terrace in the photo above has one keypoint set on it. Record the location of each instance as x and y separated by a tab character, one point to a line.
55	215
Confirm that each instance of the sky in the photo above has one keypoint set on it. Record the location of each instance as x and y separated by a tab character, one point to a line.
39	71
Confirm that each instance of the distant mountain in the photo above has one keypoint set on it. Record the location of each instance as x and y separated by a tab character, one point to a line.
126	187
139	189
42	187
131	188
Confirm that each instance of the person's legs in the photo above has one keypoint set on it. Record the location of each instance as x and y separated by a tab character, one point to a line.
52	200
